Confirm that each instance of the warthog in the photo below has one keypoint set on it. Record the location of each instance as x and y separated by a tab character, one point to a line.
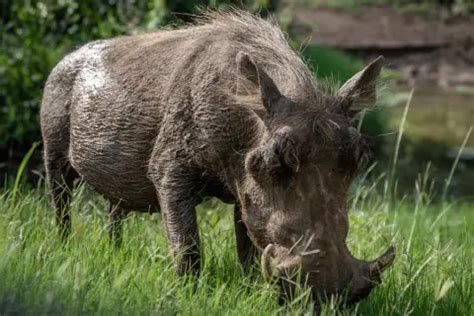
224	108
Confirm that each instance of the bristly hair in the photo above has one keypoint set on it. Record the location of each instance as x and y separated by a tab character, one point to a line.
268	46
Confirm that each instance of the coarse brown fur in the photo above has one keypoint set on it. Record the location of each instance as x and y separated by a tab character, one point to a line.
222	108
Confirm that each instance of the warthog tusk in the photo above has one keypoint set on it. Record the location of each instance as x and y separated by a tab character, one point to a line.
267	269
380	264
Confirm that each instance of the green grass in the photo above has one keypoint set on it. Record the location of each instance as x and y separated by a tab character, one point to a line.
433	272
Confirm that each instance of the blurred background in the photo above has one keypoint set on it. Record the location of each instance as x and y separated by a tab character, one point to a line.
428	44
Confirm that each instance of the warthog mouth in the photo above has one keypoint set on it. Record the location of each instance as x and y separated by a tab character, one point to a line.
358	278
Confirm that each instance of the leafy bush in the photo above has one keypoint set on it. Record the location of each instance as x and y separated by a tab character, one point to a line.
35	35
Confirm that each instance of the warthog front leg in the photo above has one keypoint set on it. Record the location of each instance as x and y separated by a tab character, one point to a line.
246	251
60	180
177	193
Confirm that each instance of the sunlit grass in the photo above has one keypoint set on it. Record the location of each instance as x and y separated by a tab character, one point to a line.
39	275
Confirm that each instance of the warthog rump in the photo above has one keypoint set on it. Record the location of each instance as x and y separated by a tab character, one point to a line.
223	108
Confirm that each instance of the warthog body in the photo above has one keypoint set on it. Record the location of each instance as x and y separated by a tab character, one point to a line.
226	109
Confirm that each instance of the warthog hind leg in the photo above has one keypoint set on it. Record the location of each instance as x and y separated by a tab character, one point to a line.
60	181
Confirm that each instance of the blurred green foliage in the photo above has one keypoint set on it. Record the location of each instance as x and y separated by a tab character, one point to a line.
332	63
35	35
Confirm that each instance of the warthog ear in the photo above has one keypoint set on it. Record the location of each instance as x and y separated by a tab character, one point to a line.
270	95
359	91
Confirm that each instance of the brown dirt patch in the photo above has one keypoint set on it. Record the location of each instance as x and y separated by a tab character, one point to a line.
425	49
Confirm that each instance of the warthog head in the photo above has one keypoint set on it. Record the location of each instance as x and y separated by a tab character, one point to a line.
298	176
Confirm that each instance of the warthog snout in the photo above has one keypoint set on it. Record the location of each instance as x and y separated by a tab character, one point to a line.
353	279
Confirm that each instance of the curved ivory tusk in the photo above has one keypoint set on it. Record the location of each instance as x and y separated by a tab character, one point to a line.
269	252
380	264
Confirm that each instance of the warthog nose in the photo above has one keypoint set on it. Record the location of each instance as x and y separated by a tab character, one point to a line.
278	261
267	254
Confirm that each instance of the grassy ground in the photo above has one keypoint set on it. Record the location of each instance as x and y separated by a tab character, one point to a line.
433	273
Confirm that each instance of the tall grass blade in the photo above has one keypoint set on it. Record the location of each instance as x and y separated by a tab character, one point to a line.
455	164
412	229
19	174
414	277
401	130
361	120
